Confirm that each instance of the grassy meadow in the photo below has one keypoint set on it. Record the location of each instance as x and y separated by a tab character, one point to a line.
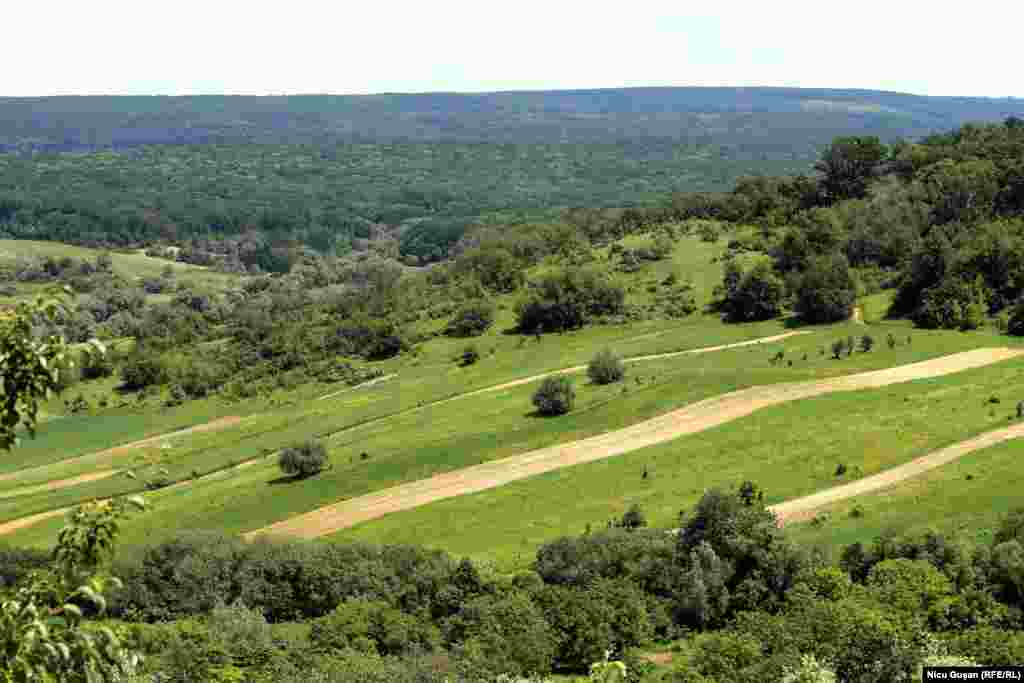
965	498
409	428
133	266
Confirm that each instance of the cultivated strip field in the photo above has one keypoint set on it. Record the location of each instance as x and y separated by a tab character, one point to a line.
804	508
691	419
634	359
213	425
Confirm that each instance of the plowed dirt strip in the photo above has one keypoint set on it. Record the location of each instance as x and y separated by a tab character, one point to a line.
693	418
221	423
59	484
633	359
804	508
16	524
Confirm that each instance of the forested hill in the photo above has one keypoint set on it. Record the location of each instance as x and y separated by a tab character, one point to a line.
751	122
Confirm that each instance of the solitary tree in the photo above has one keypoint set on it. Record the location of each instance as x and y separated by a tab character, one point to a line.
304	459
554	396
754	295
606	368
826	291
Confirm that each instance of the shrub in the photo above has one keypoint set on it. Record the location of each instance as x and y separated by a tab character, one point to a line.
507	632
867	342
554	396
838	347
810	670
303	460
1015	322
754	295
606	368
633	518
372	627
471	320
143	370
469	356
826	291
954	303
96	366
566	299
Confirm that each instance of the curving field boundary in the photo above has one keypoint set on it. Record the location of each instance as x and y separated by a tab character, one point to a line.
23	522
688	420
632	359
58	484
804	508
213	425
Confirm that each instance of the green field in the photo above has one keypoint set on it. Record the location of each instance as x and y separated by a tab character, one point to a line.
409	429
132	266
964	498
789	450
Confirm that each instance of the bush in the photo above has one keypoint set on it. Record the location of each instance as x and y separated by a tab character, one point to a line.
142	370
568	298
1015	322
96	366
633	518
826	291
507	632
954	304
372	627
469	356
471	320
754	295
303	460
554	396
606	368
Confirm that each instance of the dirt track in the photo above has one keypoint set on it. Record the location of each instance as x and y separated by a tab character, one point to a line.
23	522
804	508
59	484
220	423
633	359
693	418
15	524
369	383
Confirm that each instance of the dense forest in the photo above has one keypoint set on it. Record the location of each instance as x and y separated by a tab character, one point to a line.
210	199
782	122
327	172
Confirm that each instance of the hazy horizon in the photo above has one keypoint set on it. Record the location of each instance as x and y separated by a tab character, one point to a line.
498	92
234	48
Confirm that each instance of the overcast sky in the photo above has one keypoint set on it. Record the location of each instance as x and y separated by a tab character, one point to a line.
365	46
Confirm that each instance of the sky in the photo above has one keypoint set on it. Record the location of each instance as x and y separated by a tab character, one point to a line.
257	47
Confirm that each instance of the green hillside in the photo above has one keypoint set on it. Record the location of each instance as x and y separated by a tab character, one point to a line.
573	438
